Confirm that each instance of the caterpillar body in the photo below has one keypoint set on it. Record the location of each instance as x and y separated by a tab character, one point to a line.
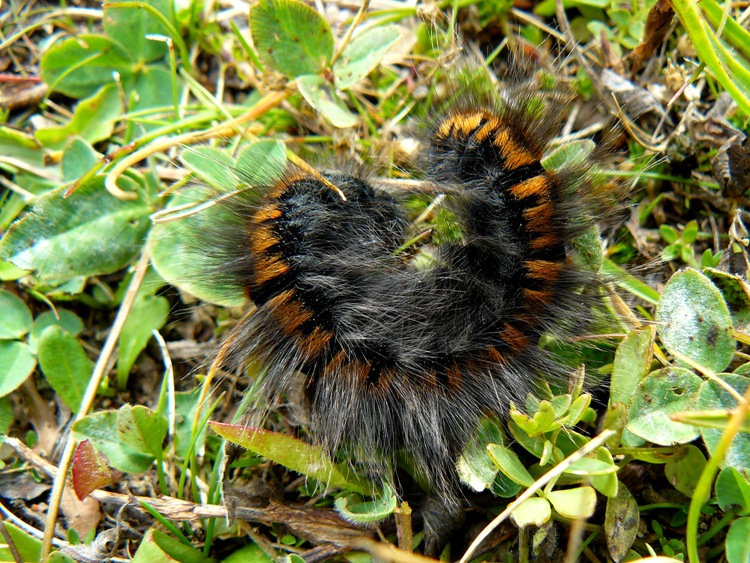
400	359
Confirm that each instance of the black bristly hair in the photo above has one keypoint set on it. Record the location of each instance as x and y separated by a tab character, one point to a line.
396	358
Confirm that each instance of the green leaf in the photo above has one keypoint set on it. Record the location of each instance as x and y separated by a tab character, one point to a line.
101	429
6	415
363	54
78	158
632	360
295	455
692	319
80	65
16	364
733	489
93	119
621	522
660	394
29	547
15	320
89	233
179	258
250	553
177	551
290	37
212	165
588	467
21	145
186	405
669	234
131	26
737	546
578	503
68	320
320	94
569	155
507	461
685	473
149	313
606	484
690	233
534	511
475	467
65	365
353	509
142	429
713	396
261	163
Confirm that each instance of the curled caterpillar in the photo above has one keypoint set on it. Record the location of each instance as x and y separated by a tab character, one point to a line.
398	358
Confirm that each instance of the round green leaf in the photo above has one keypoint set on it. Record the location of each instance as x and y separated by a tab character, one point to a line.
15	320
290	37
693	320
712	396
684	473
79	66
320	94
178	257
733	488
658	395
363	54
89	233
212	165
101	429
261	163
475	468
68	320
65	365
737	546
78	158
16	364
534	511
131	25
570	154
578	503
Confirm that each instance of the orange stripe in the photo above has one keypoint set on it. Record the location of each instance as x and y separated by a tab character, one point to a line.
269	267
536	186
539	217
487	129
289	311
262	239
315	343
514	154
516	339
494	355
333	368
267	213
544	241
358	372
537	298
454	377
385	380
543	269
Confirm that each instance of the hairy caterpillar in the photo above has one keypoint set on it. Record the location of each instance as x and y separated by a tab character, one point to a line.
400	359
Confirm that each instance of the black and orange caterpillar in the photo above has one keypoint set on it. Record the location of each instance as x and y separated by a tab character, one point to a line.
399	359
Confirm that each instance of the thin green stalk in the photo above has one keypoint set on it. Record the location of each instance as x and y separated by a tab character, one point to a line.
703	487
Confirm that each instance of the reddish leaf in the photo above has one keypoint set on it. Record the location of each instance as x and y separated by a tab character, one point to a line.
90	470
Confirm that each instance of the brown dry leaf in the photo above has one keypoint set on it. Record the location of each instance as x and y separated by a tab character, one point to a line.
82	516
657	25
